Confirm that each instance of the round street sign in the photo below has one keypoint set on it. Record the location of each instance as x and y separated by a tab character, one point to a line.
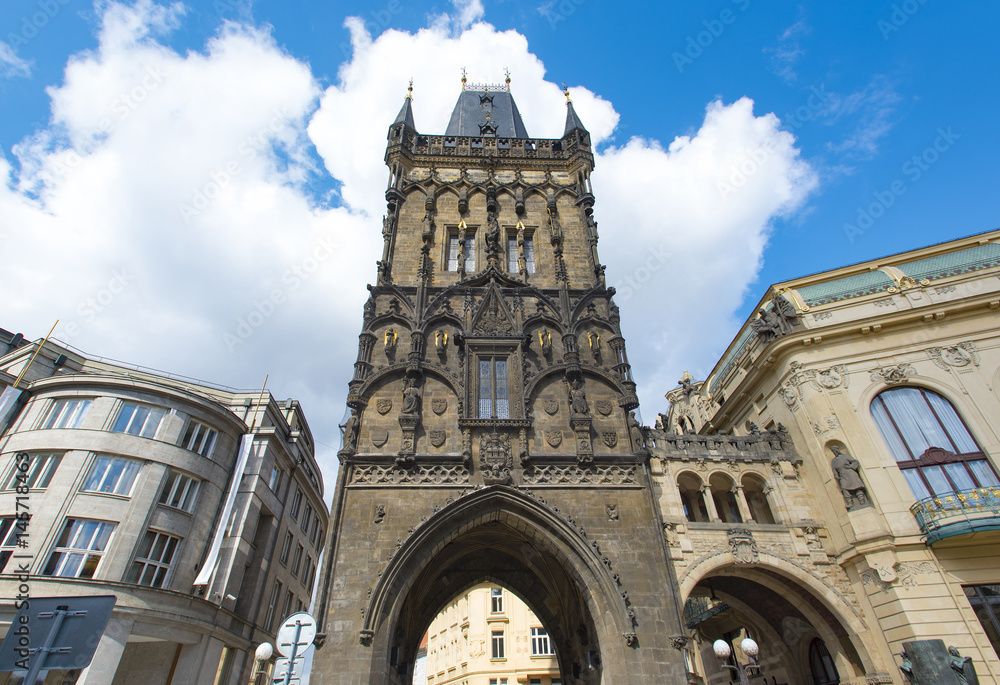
295	634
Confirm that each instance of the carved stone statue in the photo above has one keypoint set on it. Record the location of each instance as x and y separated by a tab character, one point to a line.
351	431
963	667
687	385
635	432
578	399
776	320
846	470
411	398
492	235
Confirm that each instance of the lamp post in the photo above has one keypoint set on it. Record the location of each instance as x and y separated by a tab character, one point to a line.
749	647
263	653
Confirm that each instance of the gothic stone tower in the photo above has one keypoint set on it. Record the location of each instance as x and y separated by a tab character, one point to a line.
492	436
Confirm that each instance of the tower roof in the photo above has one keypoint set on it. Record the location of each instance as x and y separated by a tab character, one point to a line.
481	112
572	120
405	115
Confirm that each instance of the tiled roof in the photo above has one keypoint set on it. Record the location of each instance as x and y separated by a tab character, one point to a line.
846	288
954	263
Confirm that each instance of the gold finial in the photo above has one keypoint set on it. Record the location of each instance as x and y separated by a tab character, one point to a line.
409	91
463	78
506	72
566	93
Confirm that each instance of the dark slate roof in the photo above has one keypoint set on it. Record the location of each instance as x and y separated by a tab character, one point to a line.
572	120
469	115
406	114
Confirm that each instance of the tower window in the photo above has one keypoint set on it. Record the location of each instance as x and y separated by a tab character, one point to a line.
513	266
494	401
454	247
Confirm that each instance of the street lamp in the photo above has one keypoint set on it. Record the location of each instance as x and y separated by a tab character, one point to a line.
263	653
749	647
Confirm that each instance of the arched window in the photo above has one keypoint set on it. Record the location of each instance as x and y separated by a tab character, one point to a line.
692	498
824	671
930	443
753	488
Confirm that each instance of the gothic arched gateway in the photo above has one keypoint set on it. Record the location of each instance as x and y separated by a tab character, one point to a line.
492	433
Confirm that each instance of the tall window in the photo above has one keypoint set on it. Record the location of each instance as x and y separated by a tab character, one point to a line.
32	471
824	672
286	548
297	561
512	265
296	503
153	559
199	438
66	414
306	518
930	442
11	530
512	256
493	398
112	475
138	419
272	606
540	643
179	492
470	252
497	644
496	600
985	601
79	549
286	610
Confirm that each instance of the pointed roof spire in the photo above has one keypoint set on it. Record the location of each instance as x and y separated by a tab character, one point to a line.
405	115
572	120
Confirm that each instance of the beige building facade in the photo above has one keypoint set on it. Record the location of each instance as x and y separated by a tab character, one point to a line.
832	487
199	508
488	636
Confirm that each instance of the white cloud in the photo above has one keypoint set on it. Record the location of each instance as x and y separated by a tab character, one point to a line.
11	64
872	111
187	178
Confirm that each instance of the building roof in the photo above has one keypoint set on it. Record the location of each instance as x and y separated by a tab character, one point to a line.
572	120
405	115
482	113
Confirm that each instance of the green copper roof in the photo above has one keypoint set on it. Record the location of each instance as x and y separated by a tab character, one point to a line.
846	288
729	361
954	263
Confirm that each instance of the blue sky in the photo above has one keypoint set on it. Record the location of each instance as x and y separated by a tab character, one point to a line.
891	103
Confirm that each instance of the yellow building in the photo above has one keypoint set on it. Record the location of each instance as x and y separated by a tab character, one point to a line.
882	525
488	636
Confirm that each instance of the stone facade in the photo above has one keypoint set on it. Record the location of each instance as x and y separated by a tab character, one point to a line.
883	375
491	438
141	474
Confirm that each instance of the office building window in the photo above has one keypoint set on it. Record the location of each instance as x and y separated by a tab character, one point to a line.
286	548
297	561
275	481
11	530
272	606
931	444
79	549
199	438
32	471
286	610
496	600
494	402
180	492
111	475
306	519
152	561
497	644
296	504
66	414
540	643
138	419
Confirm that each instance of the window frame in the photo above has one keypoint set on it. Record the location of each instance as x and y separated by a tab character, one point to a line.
496	600
94	555
492	360
286	547
540	637
451	244
199	438
143	429
497	650
11	530
57	417
272	606
33	473
188	493
296	504
141	564
131	468
297	559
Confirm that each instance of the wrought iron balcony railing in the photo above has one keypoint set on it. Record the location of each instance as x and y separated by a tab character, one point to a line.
958	513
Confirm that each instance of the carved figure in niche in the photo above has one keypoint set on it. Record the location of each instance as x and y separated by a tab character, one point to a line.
350	428
687	385
369	311
492	235
776	320
635	432
846	470
411	398
387	222
963	667
545	340
379	513
578	399
812	539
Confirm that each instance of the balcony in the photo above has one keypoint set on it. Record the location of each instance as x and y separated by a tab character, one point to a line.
958	513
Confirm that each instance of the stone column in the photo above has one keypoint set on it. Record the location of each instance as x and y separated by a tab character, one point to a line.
109	653
744	506
713	513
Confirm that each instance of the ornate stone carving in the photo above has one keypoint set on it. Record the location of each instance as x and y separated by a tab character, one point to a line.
631	639
493	321
578	399
679	641
610	438
846	470
437	437
604	407
829	379
635	432
572	474
439	405
955	356
411	398
550	406
495	459
612	510
670	533
383	405
553	438
379	436
892	375
434	474
351	427
379	513
366	637
743	546
776	320
903	572
789	395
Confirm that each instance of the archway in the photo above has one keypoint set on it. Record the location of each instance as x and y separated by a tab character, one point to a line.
502	536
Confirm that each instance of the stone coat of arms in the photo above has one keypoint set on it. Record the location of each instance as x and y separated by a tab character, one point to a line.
604	407
554	438
610	438
379	436
550	406
438	406
383	405
437	437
